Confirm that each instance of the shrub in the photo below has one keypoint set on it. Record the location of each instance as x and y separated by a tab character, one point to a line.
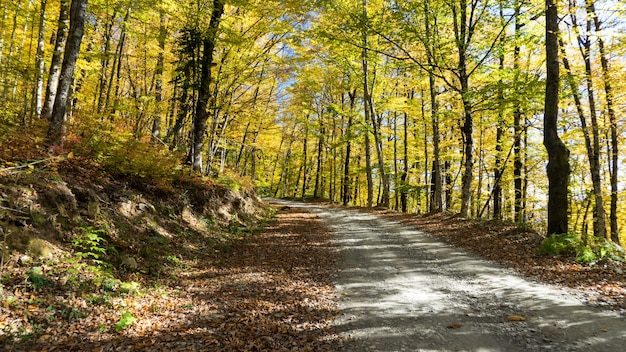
560	244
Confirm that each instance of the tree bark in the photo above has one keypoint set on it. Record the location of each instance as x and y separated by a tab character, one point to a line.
204	91
158	89
613	150
558	168
55	62
368	156
56	129
346	168
593	149
38	95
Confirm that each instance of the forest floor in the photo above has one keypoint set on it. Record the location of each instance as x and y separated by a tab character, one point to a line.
272	290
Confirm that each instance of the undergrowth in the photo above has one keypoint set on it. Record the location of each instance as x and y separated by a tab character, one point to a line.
571	244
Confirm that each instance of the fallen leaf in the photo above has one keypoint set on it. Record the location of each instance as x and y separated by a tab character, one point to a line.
515	318
455	325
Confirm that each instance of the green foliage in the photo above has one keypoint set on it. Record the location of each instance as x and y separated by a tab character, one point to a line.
572	245
126	321
90	244
38	280
560	244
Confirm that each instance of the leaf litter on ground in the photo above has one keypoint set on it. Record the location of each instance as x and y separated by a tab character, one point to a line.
270	291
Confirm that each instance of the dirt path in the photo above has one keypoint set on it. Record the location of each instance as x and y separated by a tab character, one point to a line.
401	290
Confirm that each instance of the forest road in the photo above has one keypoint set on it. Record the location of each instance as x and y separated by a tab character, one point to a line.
401	290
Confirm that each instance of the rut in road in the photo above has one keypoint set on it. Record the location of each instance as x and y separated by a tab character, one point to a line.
401	290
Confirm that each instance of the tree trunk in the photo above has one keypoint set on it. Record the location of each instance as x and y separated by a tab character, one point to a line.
38	95
367	111
304	157
558	168
2	30
116	67
55	62
7	67
104	62
320	145
463	34
599	220
346	169
158	89
204	91
56	129
608	90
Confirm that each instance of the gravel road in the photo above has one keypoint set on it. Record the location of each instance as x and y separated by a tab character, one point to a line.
401	290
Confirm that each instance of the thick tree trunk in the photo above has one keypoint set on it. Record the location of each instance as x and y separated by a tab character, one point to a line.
56	129
204	91
55	62
558	168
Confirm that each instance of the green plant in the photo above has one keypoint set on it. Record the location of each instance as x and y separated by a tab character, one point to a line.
611	251
90	244
110	284
172	259
560	244
131	288
126	321
585	255
38	280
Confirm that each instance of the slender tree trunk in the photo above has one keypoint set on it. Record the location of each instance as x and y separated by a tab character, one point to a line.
599	221
346	169
517	124
463	34
558	168
608	90
106	58
38	95
204	92
116	67
158	89
367	111
8	66
56	130
3	20
320	145
405	167
498	169
55	62
304	156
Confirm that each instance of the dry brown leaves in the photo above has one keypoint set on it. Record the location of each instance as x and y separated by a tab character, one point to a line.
271	292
